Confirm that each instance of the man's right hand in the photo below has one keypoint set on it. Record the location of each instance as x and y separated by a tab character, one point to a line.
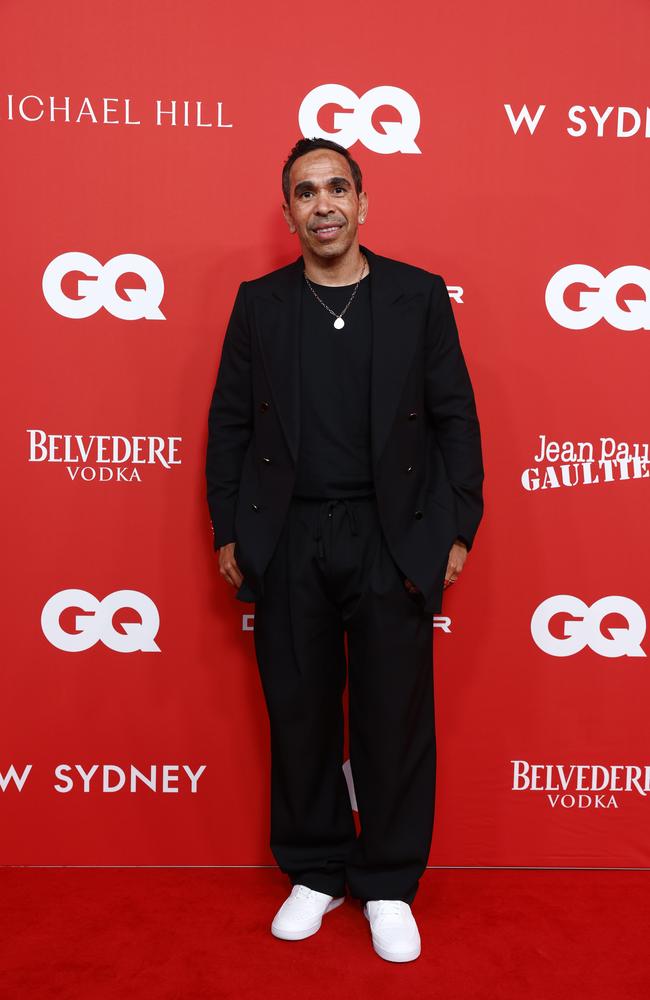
228	566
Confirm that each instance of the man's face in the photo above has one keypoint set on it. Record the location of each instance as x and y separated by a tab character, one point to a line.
324	208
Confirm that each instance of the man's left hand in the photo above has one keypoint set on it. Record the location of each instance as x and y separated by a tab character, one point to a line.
455	563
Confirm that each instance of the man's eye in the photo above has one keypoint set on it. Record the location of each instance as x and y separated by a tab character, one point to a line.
338	187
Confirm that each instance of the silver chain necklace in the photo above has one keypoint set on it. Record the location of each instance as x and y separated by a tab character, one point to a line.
339	322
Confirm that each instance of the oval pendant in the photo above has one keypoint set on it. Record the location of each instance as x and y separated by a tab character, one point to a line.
339	323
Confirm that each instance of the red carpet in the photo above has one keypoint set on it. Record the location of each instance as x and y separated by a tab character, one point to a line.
194	933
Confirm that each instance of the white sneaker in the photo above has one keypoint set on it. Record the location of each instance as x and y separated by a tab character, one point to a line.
301	913
395	934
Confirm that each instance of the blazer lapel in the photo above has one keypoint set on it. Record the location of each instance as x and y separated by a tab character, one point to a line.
396	318
395	323
277	320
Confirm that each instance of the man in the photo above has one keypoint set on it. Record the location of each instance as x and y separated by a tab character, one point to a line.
344	482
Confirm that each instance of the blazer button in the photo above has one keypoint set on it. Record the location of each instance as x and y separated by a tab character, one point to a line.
418	515
264	405
413	414
409	468
254	506
265	459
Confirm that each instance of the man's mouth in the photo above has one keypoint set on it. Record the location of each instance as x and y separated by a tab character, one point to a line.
327	232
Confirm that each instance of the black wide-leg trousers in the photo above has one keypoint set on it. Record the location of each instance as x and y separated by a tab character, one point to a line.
330	574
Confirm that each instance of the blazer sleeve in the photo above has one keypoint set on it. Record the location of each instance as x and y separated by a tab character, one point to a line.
451	406
230	423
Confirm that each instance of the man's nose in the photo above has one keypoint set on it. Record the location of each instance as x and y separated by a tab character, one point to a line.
323	206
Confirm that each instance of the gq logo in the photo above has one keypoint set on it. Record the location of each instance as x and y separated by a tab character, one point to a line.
355	120
598	300
584	628
97	287
96	624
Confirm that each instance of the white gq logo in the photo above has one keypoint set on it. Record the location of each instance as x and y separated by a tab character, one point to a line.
598	300
96	625
585	629
355	120
97	288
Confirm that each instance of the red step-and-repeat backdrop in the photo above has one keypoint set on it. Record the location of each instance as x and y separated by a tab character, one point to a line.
504	146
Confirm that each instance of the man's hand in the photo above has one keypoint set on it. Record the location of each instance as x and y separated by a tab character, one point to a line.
455	563
228	566
457	557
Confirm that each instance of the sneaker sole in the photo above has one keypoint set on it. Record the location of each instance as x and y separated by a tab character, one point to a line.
298	935
391	956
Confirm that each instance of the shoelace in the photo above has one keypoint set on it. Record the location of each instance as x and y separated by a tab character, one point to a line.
304	890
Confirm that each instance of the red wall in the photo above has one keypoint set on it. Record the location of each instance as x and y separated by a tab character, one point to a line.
454	185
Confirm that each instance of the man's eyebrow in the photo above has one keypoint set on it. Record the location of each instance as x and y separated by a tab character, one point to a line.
309	185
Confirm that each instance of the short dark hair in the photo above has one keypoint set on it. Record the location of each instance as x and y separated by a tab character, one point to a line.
306	146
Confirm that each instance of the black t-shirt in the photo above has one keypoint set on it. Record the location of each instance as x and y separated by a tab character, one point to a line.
334	455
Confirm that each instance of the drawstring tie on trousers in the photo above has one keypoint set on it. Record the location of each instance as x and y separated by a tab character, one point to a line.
326	509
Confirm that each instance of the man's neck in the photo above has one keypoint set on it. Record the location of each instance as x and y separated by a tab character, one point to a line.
344	270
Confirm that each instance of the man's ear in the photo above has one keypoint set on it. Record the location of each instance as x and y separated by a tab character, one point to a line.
363	207
287	216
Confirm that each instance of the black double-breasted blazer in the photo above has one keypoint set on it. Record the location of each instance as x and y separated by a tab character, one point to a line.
425	437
